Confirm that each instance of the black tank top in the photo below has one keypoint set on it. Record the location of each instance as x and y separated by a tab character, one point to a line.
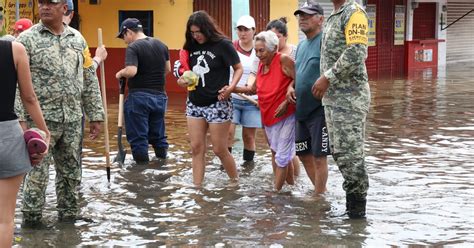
8	79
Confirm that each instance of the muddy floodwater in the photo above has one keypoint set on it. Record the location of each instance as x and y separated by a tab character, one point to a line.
420	159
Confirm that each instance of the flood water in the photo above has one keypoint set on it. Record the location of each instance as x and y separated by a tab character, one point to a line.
420	159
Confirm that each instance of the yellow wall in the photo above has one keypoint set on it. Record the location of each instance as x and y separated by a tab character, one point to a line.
170	17
286	8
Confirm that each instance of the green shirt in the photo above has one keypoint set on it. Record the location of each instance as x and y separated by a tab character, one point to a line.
307	72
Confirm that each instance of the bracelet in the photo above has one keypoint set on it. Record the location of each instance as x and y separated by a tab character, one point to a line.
96	63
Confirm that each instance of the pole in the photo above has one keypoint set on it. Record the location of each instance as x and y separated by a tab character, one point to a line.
104	102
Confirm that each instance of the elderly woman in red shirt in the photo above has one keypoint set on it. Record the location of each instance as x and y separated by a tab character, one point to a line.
275	73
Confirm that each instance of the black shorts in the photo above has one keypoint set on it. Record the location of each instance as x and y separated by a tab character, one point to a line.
312	136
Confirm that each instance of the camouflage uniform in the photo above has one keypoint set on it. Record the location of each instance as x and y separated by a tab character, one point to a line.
65	82
343	53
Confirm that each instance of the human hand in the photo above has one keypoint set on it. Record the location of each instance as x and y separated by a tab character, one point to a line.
36	158
94	127
281	110
181	82
101	53
320	87
224	93
23	125
291	95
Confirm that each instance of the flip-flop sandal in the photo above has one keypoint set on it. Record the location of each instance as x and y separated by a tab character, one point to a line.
31	133
36	145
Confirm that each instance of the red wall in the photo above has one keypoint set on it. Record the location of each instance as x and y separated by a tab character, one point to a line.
385	60
116	60
424	22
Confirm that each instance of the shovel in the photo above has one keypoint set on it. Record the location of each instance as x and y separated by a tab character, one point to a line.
120	158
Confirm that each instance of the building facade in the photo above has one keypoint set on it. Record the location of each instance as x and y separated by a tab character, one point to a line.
405	36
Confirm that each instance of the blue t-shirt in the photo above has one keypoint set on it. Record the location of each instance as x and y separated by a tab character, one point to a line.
307	72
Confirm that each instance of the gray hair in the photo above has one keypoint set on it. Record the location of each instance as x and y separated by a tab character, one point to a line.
270	40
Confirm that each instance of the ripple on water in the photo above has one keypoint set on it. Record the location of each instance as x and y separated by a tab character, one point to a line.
419	156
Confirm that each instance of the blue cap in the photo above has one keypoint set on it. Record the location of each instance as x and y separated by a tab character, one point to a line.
70	5
129	23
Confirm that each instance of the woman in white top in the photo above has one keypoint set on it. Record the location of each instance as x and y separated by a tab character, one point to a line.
245	111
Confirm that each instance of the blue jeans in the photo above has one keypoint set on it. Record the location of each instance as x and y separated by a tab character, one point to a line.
145	121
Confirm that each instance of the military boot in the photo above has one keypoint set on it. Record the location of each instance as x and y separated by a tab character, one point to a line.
32	220
355	206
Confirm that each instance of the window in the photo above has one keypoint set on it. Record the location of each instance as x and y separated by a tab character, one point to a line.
145	17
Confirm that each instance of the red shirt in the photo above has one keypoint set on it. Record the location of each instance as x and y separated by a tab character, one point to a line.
271	91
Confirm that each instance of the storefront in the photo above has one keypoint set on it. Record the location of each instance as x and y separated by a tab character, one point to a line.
460	32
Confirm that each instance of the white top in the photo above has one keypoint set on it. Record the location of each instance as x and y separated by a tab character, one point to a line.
247	64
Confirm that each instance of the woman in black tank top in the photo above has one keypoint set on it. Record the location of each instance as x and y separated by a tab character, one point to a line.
14	159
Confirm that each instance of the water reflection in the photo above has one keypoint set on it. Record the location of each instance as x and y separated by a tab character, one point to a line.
420	144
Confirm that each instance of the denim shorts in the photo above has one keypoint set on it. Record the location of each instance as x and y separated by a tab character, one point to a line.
218	112
246	114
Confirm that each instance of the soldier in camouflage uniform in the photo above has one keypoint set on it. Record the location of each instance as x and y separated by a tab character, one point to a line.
345	94
65	82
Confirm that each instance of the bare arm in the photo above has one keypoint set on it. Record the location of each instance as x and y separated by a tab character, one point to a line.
27	93
288	66
249	88
167	67
128	72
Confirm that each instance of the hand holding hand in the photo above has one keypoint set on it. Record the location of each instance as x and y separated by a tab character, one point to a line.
224	93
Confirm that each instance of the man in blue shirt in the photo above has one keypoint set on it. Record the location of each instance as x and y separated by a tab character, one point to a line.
312	140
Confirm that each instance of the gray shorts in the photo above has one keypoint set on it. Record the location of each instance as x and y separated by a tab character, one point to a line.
13	153
312	136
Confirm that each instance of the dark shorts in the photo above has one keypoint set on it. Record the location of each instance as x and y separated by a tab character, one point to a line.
218	112
312	136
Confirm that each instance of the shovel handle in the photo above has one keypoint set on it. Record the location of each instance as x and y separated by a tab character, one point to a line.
122	91
120	113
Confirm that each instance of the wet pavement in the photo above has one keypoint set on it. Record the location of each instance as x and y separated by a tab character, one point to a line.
420	159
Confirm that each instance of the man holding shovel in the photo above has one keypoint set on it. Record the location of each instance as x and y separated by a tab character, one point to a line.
146	65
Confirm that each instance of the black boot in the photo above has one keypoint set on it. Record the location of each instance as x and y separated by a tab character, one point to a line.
141	159
161	152
355	205
248	155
